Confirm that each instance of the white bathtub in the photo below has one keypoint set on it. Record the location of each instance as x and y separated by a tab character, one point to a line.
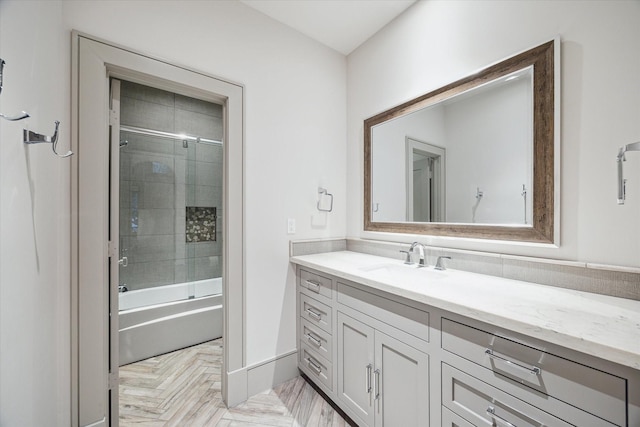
159	320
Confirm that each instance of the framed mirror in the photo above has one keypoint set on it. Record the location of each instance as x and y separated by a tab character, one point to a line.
472	159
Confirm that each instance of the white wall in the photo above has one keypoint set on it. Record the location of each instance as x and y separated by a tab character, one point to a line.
437	42
34	219
295	110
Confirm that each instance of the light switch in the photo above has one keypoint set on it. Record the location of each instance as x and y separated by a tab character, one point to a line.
291	226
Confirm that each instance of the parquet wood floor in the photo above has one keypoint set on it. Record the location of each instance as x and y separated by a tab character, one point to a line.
182	388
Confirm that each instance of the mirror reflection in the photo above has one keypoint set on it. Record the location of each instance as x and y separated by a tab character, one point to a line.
466	159
474	158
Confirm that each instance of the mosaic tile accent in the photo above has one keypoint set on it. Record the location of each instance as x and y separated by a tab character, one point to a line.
201	224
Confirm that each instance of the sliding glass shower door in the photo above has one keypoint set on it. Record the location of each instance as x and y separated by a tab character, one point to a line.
171	159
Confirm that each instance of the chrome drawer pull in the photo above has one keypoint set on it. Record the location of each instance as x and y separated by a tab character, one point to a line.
377	383
313	286
313	339
314	365
368	384
312	313
492	411
533	370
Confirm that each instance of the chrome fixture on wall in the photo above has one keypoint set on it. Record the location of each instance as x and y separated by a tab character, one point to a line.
622	183
323	192
23	114
30	137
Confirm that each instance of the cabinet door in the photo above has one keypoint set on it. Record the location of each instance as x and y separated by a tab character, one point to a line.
401	384
355	367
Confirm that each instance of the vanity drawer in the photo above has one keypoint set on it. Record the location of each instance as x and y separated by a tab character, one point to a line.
317	339
401	316
482	404
316	283
317	368
450	419
591	390
316	313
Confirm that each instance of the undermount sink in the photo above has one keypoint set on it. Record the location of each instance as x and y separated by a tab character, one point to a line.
404	271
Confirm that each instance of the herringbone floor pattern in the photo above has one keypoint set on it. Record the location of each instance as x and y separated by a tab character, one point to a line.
183	389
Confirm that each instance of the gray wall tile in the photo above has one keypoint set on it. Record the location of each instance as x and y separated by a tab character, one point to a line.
198	106
148	115
156	221
211	153
157	195
147	93
196	124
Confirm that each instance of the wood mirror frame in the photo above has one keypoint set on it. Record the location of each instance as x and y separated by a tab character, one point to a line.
542	58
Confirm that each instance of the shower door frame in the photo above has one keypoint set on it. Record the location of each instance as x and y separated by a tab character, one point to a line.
94	63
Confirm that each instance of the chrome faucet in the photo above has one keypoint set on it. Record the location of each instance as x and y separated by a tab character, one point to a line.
420	246
440	263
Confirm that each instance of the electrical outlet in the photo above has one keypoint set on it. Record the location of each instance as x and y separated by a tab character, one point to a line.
291	226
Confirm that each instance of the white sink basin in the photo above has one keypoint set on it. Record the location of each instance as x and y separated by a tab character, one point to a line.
403	272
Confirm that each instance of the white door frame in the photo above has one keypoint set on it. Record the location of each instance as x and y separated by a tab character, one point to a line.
439	191
94	62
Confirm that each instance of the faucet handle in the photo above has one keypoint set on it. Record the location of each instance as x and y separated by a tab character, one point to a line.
440	263
407	259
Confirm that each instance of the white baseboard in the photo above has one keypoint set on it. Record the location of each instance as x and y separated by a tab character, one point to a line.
254	379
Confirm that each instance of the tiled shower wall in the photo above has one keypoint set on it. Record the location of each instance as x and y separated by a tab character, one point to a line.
159	178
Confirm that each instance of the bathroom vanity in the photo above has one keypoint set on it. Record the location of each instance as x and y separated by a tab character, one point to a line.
395	345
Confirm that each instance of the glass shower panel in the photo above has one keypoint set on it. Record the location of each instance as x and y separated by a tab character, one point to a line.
170	197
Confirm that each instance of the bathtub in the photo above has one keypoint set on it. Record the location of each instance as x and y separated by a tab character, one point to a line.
159	320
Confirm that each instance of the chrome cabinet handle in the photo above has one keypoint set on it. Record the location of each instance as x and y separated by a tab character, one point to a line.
313	339
312	313
534	370
377	383
314	365
313	286
368	383
492	411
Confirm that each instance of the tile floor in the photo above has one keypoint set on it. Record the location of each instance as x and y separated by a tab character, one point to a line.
182	388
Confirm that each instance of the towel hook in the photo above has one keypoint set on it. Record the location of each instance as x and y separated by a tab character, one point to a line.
23	114
30	137
321	192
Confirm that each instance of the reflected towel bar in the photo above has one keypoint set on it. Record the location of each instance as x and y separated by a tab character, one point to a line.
621	158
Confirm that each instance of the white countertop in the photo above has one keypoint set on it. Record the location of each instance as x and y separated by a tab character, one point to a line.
599	325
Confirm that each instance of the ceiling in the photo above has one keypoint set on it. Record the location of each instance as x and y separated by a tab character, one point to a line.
340	24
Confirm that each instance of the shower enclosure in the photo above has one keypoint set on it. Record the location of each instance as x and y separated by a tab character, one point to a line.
171	158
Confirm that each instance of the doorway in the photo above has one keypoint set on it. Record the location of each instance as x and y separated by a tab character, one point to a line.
97	254
168	170
425	170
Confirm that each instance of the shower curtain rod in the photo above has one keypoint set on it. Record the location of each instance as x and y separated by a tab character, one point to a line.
161	134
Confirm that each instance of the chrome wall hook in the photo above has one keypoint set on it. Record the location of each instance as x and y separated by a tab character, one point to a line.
23	114
30	137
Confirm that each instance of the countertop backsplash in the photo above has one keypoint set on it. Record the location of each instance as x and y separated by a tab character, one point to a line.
623	282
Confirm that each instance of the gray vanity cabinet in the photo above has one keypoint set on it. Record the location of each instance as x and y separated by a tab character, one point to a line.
356	367
390	361
381	380
402	385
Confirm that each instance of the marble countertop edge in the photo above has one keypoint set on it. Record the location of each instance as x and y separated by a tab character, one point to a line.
572	319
